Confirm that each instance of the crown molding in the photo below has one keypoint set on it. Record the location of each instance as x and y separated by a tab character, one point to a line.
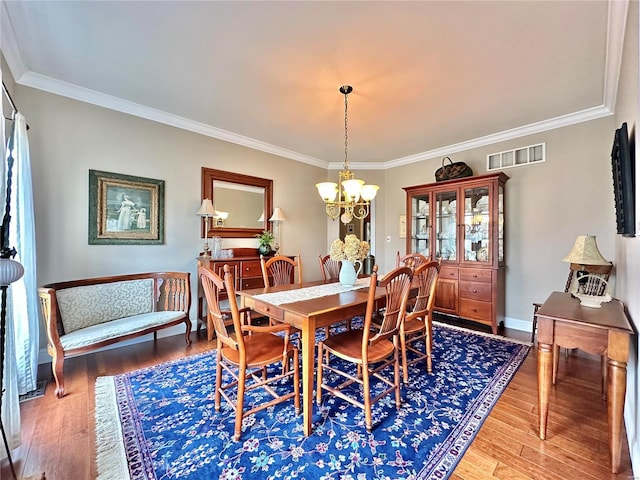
93	97
616	27
592	113
9	45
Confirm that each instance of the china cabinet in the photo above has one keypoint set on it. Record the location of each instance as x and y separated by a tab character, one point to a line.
461	223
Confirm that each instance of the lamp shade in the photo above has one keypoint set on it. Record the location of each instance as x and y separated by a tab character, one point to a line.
277	216
327	190
206	209
10	271
369	192
585	252
352	189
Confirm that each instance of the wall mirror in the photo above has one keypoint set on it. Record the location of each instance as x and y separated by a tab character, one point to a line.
243	203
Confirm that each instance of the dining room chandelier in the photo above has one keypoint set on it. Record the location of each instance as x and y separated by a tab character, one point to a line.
350	195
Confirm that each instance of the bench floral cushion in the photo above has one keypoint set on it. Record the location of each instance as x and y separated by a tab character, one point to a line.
86	306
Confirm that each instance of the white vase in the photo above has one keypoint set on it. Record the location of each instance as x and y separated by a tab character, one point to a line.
348	272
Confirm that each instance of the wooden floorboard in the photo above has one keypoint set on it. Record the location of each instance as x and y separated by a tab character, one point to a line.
59	434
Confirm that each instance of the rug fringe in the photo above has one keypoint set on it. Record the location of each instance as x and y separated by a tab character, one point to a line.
111	460
482	334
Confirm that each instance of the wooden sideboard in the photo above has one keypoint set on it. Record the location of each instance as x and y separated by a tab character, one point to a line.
246	270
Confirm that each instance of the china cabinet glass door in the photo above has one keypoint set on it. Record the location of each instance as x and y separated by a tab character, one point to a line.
476	221
420	226
446	230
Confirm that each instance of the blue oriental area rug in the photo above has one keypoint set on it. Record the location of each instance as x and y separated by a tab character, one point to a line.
160	422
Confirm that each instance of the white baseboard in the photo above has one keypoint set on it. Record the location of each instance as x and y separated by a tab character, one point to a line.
517	324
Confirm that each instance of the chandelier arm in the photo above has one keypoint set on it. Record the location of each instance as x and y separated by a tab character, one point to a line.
362	211
333	210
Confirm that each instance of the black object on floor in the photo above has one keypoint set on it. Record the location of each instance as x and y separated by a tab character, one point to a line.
41	387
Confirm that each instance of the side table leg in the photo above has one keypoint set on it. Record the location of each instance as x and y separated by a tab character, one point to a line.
545	372
616	390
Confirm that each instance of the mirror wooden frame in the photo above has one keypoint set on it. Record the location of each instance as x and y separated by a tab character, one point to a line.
210	175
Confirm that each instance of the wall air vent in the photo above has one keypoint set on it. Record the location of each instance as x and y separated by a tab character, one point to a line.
517	157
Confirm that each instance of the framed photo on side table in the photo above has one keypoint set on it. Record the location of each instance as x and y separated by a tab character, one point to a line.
125	210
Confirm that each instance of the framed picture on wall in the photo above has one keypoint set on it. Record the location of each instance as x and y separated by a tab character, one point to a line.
125	210
402	226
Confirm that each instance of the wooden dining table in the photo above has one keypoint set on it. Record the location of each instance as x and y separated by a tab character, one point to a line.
308	315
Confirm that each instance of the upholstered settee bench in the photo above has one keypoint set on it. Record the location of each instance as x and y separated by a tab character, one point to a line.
84	315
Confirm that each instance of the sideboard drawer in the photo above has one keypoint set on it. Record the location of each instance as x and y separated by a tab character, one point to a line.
251	268
248	283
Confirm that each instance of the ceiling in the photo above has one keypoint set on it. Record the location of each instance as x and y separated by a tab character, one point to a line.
430	78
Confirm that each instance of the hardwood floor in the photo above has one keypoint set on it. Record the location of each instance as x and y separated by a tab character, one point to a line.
59	439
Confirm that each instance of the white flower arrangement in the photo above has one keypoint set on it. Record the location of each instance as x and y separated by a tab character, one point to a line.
351	249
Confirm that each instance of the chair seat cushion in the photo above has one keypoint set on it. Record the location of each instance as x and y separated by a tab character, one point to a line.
413	326
348	345
117	328
262	349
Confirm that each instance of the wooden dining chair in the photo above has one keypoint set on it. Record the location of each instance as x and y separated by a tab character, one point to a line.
281	270
330	270
370	352
246	352
417	326
411	260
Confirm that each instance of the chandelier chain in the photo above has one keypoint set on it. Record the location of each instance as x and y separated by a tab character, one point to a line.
350	197
346	136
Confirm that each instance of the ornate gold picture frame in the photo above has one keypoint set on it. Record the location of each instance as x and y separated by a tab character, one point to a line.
125	210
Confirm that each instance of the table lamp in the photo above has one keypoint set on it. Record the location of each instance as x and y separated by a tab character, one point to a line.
276	218
585	252
207	211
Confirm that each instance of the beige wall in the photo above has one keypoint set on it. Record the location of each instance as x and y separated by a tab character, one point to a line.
628	248
547	206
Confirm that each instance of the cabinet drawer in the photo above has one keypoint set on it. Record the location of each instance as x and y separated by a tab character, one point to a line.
248	283
448	273
475	309
475	274
251	268
475	291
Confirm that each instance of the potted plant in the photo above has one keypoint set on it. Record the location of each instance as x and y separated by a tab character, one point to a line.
265	238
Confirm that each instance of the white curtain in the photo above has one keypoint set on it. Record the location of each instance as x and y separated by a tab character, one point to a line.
22	236
22	320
